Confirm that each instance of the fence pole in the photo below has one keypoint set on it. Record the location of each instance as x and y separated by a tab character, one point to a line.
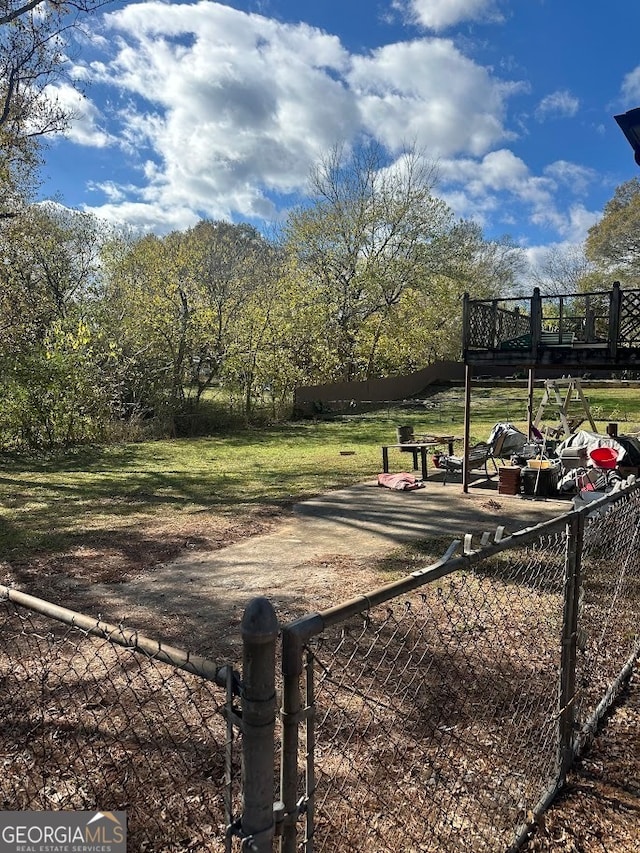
292	667
567	689
614	318
258	699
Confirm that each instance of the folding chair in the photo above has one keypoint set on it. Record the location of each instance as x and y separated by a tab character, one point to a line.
479	458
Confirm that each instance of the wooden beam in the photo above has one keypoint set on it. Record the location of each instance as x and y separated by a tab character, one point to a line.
467	417
532	379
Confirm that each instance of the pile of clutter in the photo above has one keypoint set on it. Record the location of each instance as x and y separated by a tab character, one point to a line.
594	465
586	464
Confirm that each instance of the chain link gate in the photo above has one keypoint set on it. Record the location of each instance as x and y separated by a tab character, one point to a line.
443	711
97	716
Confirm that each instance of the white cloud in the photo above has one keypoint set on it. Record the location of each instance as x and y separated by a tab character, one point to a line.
499	172
493	188
559	104
427	91
112	191
439	15
146	217
576	178
227	105
220	113
631	85
573	224
85	127
219	110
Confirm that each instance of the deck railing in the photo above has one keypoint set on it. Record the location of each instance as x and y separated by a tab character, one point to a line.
602	319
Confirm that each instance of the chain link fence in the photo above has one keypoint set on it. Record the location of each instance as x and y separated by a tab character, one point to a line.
441	712
96	716
608	608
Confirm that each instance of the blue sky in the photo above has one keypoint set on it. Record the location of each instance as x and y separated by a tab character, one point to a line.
219	110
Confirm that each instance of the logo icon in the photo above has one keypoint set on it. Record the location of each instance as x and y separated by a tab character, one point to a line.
64	832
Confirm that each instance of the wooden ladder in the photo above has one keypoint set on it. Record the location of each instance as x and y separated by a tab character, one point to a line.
552	397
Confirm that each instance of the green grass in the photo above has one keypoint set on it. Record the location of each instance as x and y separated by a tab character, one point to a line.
47	504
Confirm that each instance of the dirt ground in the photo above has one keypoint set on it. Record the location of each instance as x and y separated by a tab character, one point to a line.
599	811
188	585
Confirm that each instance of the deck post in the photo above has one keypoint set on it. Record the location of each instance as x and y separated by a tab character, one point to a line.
465	325
494	324
536	323
530	387
614	319
468	372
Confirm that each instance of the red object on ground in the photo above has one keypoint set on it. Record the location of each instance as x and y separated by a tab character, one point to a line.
604	457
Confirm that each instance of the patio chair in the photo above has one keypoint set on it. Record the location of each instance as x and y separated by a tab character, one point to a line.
505	441
479	457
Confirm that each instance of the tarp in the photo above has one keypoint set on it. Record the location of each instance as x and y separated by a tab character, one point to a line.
591	440
632	446
400	482
512	440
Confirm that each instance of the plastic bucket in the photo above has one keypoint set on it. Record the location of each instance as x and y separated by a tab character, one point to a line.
604	457
405	434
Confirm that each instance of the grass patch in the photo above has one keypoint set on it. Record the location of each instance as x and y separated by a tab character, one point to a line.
50	503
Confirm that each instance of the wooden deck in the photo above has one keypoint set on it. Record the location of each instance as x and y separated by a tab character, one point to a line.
582	331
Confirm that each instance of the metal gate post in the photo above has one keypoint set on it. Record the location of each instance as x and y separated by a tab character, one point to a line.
567	688
258	699
291	673
294	636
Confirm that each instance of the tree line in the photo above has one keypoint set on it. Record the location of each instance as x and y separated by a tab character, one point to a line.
105	330
108	334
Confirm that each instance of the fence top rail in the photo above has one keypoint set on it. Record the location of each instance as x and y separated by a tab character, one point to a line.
119	635
548	297
302	629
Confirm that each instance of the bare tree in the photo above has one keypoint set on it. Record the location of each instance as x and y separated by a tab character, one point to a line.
33	57
367	236
563	270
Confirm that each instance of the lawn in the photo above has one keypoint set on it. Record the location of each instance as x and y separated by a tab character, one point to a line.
185	488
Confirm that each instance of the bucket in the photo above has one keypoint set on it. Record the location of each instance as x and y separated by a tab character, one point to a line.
540	482
404	434
605	457
539	463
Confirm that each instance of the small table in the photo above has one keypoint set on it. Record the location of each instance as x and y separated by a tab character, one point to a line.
414	447
441	439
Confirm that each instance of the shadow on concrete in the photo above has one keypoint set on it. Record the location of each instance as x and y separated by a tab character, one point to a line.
436	510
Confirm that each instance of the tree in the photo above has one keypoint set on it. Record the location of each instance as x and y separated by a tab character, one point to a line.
148	309
33	59
50	266
565	270
368	235
190	308
426	324
55	379
613	243
483	268
231	263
